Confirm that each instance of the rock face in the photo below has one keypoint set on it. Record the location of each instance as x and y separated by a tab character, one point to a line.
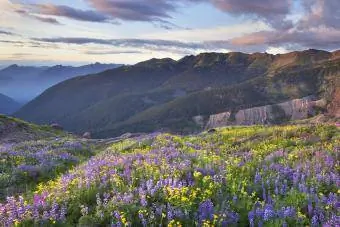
296	109
56	126
87	135
218	120
334	107
199	120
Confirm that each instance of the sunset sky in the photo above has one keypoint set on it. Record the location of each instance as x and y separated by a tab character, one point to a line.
128	31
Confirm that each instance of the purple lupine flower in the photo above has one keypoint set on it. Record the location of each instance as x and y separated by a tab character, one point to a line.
143	201
310	208
251	218
334	220
63	211
315	221
54	211
206	211
170	212
264	196
268	213
258	177
142	219
116	215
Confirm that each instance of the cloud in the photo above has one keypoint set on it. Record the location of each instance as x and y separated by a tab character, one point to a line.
112	52
39	18
273	12
140	43
326	38
69	12
18	56
159	12
157	45
321	13
318	25
35	44
135	10
2	32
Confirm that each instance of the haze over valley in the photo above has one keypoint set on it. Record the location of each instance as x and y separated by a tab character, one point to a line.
23	83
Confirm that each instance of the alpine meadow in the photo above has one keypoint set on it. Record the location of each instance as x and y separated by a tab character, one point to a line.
177	113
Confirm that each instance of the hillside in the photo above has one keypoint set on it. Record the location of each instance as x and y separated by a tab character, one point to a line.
8	105
13	130
235	176
15	79
163	94
31	154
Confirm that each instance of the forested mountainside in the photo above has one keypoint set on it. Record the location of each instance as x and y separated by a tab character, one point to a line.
164	94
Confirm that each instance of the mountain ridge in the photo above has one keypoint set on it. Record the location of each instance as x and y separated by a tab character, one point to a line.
166	94
8	105
35	79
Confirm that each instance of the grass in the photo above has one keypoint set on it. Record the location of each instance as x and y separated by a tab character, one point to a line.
237	176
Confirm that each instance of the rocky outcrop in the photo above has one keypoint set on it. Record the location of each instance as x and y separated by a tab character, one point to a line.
13	130
333	107
335	104
56	126
296	109
199	120
218	120
87	135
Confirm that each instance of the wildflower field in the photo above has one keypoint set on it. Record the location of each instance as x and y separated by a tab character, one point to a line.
237	176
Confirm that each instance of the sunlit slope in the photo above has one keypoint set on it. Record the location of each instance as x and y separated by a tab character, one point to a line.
240	176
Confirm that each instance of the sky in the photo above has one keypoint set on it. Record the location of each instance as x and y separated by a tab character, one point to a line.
75	32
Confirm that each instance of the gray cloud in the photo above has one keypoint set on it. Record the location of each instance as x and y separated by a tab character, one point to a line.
112	52
2	32
18	56
272	12
47	20
159	11
14	42
138	43
155	11
321	13
35	44
256	42
324	39
69	12
319	26
136	10
171	46
39	18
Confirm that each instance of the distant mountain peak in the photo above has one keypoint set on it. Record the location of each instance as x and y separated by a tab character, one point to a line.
24	83
13	66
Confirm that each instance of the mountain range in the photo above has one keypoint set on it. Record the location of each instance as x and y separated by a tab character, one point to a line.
8	105
23	83
187	95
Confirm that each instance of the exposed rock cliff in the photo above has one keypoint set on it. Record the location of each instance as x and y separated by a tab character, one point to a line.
218	120
296	109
